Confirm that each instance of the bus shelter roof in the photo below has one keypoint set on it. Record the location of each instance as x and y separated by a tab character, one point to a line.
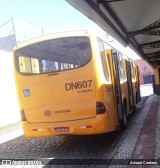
134	23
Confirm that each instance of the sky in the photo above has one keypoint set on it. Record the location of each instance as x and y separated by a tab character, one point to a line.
50	15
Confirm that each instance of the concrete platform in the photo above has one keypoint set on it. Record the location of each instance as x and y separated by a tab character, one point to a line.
147	147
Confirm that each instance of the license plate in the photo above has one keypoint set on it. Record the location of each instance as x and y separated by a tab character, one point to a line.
61	129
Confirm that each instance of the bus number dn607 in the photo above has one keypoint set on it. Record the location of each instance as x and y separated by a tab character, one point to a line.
78	85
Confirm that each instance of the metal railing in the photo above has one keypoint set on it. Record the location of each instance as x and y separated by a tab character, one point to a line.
15	31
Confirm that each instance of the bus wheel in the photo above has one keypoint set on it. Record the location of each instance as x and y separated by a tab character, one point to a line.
124	119
137	98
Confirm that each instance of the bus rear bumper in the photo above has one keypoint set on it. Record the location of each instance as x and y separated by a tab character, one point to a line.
90	126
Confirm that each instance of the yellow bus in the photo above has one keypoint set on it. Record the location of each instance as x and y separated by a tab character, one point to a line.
73	83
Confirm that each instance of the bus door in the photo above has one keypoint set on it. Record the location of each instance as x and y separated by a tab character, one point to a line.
138	82
118	97
110	97
130	87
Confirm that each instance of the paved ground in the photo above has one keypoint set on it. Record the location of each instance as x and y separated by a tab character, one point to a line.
118	145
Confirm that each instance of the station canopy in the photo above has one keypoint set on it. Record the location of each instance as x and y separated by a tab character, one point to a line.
134	23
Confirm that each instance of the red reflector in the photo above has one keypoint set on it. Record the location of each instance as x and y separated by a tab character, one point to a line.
89	126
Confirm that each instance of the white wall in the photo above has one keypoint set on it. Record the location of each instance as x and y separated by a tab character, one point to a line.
9	112
146	89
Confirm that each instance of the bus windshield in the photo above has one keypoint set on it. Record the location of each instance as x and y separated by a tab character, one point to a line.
53	55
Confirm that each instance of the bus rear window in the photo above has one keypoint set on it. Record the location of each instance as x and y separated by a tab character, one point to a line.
53	55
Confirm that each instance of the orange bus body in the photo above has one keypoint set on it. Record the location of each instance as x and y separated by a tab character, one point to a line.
73	83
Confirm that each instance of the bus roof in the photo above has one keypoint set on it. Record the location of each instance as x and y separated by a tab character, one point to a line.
70	33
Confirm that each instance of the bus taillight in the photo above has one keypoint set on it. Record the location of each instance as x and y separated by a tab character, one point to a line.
100	108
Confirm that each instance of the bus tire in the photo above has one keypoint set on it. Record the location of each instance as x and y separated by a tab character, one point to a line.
124	119
135	106
137	98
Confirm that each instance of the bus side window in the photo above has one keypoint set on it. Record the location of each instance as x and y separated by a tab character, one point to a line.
105	62
101	46
133	71
122	74
107	70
